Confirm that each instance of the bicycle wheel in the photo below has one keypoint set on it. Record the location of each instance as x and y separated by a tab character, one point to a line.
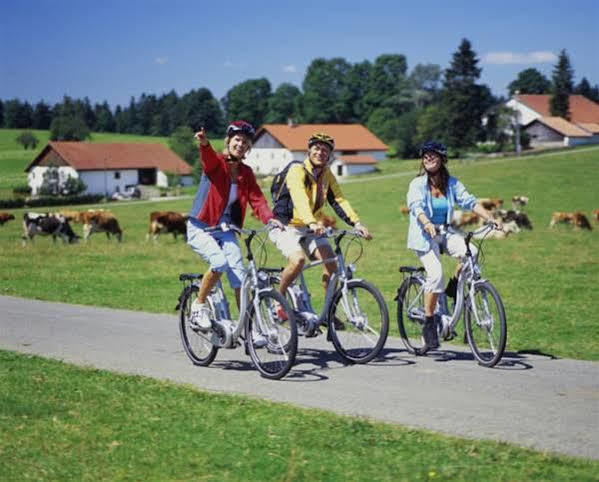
358	322
197	345
410	313
486	327
271	335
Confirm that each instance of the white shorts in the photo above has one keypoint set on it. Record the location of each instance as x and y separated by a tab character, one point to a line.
292	239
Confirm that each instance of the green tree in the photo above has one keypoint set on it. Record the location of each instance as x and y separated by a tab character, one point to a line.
584	88
72	186
559	104
425	81
203	110
182	142
284	104
68	128
388	85
42	116
104	118
530	81
50	182
432	124
27	139
17	114
464	101
327	92
248	101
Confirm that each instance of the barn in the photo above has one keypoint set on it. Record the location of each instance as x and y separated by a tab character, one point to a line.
106	168
357	150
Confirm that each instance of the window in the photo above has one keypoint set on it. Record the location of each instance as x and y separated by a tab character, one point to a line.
117	175
340	170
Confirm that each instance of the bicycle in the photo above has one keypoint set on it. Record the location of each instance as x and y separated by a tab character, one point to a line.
354	310
270	340
479	301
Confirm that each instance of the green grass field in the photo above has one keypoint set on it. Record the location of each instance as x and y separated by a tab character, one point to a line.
546	277
60	422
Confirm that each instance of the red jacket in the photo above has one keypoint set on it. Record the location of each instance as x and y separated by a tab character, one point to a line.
213	191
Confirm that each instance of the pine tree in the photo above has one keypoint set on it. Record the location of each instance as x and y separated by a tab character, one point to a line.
563	86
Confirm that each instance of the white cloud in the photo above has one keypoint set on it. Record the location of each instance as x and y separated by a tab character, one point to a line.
161	60
506	58
289	68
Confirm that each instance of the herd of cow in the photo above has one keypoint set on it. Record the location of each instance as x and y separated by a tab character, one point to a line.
58	224
515	219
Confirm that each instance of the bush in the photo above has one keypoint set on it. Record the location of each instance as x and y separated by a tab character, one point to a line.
12	203
27	140
63	201
21	190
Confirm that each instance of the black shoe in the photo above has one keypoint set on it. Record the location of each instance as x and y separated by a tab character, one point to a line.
430	335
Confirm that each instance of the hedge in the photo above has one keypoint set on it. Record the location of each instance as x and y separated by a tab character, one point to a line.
50	201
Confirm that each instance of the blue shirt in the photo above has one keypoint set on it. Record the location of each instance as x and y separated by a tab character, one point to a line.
419	201
440	207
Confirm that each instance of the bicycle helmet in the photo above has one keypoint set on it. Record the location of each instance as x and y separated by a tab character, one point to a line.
431	146
322	137
241	126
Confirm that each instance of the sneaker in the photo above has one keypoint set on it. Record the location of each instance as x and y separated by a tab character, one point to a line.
259	340
200	316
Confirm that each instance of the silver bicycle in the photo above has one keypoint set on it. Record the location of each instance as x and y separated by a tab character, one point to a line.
354	310
475	297
266	322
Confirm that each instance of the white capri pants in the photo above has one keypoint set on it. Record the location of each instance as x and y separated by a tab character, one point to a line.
454	245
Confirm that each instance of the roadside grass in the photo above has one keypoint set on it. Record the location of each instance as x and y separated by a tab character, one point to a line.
546	277
61	422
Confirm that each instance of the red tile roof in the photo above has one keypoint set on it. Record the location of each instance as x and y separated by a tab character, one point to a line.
87	156
581	108
564	127
356	159
348	137
592	127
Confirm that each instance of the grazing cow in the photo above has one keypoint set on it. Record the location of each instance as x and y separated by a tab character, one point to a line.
71	216
461	218
490	204
596	215
404	210
5	217
100	221
167	222
48	224
576	219
521	218
518	202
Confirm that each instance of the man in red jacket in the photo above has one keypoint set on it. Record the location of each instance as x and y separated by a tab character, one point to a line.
226	187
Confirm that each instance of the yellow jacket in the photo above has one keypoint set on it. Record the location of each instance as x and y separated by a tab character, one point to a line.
307	204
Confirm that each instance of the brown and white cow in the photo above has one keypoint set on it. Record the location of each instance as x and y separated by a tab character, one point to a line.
48	224
461	218
167	222
508	228
596	215
5	217
490	204
522	220
100	221
576	219
518	202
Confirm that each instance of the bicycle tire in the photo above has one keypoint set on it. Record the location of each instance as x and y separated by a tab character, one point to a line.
410	314
363	336
197	345
491	325
275	359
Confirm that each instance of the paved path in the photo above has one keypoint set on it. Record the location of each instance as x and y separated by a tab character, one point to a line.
531	400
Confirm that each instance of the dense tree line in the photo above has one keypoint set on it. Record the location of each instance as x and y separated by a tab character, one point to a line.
402	107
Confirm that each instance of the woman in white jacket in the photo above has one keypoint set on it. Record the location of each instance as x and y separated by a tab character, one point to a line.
431	200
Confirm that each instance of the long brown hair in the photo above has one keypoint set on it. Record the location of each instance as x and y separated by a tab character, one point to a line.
443	176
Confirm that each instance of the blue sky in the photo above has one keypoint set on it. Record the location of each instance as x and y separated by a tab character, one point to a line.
112	50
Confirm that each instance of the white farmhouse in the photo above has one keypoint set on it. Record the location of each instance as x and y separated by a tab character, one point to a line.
544	130
357	150
108	168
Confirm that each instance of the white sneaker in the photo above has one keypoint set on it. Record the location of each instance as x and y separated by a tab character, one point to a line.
200	315
260	340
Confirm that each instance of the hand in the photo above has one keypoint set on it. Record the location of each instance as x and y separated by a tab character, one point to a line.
363	231
275	223
201	136
317	228
430	229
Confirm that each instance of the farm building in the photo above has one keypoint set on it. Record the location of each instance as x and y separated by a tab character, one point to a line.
545	130
357	150
108	168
